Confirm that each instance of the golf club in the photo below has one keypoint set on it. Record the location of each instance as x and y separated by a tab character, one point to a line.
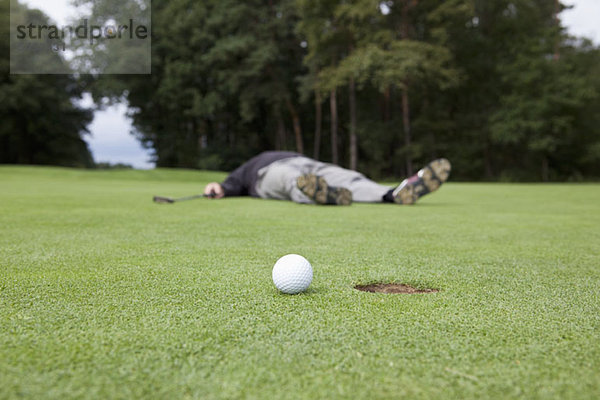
170	200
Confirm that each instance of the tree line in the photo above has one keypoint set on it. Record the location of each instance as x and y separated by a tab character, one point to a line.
496	86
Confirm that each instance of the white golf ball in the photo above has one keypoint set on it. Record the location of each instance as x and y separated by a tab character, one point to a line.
292	274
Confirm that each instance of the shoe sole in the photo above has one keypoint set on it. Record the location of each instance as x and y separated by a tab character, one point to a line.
317	189
430	178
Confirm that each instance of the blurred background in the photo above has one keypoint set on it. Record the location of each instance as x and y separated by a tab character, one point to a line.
508	90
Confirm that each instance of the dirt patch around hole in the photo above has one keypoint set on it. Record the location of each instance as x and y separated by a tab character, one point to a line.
392	288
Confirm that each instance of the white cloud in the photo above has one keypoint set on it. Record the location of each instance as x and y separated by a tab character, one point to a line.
583	19
111	141
58	10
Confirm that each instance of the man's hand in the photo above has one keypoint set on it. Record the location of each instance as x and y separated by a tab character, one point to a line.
214	190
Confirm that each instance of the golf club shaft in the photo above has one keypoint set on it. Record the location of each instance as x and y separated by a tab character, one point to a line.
169	200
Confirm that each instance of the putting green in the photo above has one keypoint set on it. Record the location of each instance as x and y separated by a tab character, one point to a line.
104	294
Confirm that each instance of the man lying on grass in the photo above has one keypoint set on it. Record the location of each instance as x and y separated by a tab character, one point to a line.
284	175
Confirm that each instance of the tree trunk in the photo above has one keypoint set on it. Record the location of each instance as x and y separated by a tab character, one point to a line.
557	21
406	126
386	112
405	35
353	137
318	124
487	161
334	126
280	135
545	169
297	127
431	132
405	24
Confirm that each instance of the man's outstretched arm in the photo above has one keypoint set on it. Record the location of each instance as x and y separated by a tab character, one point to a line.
241	181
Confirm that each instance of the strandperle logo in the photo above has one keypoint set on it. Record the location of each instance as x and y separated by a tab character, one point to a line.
93	33
103	40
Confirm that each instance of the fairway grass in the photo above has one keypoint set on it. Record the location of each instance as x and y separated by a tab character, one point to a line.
104	294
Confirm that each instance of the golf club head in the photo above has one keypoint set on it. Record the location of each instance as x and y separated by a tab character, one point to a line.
163	200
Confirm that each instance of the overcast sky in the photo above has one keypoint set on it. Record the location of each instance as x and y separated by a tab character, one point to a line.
110	138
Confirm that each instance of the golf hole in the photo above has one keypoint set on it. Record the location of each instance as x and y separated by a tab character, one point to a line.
392	288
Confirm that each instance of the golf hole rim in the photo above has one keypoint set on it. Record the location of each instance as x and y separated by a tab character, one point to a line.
393	288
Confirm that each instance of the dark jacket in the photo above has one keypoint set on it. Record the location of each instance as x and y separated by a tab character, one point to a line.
242	181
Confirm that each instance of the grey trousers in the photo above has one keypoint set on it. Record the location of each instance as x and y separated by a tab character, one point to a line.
278	181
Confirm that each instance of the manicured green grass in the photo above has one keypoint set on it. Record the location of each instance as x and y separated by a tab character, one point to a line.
104	294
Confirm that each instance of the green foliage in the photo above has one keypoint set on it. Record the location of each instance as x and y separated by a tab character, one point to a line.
496	86
41	123
401	61
221	71
518	110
